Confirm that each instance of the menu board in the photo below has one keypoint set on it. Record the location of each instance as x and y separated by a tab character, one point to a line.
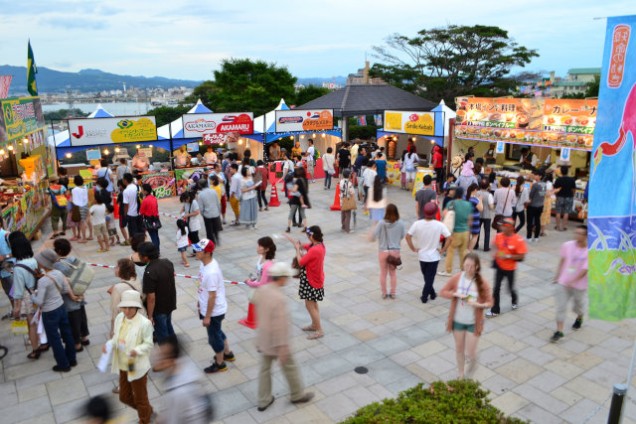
545	122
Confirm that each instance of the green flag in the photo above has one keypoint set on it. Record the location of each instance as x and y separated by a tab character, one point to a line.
32	85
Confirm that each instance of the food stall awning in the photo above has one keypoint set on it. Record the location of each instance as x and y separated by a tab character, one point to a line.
63	138
174	129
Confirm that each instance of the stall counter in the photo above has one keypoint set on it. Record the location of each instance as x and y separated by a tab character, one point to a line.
418	184
26	211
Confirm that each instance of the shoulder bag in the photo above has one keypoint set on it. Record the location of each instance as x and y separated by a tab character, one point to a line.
348	202
449	217
498	219
391	260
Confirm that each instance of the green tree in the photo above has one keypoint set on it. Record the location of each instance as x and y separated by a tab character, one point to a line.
60	114
593	87
308	93
442	63
166	114
243	85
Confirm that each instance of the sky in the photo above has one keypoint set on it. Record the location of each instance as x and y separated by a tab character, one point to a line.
189	39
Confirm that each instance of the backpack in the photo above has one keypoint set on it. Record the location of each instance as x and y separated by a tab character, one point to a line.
36	273
316	154
79	275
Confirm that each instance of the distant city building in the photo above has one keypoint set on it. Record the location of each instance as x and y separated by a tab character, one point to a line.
362	77
575	83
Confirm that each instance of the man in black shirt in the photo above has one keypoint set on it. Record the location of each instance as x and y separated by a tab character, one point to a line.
159	287
564	187
344	158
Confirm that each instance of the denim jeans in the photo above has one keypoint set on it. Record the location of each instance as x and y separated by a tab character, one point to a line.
534	221
484	222
163	326
327	179
216	336
58	328
262	199
499	276
154	238
429	269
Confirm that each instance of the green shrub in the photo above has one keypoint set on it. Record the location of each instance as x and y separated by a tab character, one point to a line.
456	401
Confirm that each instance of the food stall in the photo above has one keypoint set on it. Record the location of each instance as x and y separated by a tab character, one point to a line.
289	127
403	128
556	131
25	160
132	138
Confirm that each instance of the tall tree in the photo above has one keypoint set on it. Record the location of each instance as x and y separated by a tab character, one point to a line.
308	93
166	114
442	63
243	85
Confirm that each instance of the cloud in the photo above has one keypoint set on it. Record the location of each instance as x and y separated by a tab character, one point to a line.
72	24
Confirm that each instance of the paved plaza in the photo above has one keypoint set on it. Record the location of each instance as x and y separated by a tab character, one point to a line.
402	342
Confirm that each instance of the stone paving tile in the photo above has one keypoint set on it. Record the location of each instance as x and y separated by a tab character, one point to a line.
402	342
509	403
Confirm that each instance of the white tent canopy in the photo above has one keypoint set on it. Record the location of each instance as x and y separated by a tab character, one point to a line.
448	115
268	119
175	128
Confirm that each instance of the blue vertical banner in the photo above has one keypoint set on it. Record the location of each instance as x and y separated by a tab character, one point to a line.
612	196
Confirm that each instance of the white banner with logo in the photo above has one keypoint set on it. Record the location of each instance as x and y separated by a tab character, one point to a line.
197	125
122	129
304	120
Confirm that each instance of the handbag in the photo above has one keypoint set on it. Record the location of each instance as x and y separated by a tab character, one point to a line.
348	202
449	218
152	222
391	260
498	219
76	215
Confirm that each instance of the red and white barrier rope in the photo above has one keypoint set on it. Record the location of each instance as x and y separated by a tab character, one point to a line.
193	277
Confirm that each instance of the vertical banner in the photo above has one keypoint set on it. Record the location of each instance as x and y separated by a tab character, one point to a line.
612	204
5	83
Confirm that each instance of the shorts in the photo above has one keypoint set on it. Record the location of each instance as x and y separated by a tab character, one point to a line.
564	205
100	230
410	176
83	212
26	305
458	326
182	249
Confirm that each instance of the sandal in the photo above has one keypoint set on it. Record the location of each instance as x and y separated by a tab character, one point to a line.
308	328
315	336
85	342
43	348
34	355
186	265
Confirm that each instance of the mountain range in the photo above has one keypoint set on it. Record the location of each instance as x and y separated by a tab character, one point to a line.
94	80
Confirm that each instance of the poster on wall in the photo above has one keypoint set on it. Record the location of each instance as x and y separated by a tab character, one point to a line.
162	183
409	122
21	116
123	129
200	125
304	120
612	212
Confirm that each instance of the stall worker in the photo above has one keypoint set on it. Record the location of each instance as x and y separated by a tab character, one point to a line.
210	157
274	151
141	162
297	150
182	157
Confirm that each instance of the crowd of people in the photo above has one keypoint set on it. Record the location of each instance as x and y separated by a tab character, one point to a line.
144	294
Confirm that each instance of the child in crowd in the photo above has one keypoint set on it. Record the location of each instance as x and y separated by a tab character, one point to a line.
182	241
110	225
98	219
449	181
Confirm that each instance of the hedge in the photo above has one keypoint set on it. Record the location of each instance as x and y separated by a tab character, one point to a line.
456	401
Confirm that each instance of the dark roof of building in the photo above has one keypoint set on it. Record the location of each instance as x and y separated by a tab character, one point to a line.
371	99
584	71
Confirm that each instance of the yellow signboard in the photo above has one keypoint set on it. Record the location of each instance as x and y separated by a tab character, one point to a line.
407	122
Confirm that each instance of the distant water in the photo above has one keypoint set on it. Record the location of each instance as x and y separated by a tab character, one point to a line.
117	109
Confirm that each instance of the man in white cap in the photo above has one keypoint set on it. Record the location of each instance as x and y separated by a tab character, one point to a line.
212	305
273	337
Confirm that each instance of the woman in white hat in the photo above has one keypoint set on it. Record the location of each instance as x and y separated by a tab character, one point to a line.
132	343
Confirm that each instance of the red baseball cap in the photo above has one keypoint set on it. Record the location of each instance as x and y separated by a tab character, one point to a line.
204	245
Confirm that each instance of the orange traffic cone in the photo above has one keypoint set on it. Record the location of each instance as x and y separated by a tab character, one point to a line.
250	320
274	201
336	200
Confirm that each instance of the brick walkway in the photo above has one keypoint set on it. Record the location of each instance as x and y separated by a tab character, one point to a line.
401	342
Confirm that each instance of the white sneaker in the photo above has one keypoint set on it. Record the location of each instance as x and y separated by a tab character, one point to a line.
491	314
444	274
515	306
